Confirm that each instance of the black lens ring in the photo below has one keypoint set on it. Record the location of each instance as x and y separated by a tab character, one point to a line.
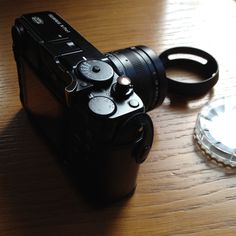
208	71
159	76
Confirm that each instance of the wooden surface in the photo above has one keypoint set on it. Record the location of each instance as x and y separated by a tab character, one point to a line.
179	192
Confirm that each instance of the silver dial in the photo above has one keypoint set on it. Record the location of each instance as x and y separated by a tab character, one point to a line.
96	70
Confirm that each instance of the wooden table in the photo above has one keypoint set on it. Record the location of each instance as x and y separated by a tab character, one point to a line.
179	192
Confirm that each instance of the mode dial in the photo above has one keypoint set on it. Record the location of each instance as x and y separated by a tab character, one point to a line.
95	70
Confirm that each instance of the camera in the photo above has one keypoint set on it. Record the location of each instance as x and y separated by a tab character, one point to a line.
90	106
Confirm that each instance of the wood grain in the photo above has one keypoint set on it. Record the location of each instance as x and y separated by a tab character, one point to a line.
179	192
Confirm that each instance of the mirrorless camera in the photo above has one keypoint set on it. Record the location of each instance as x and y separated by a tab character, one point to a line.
90	106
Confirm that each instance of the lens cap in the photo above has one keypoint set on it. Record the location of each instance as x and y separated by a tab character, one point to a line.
207	68
215	129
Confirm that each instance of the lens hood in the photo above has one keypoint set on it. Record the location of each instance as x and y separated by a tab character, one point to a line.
186	58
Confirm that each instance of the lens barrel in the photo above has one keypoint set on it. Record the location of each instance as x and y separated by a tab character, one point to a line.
146	71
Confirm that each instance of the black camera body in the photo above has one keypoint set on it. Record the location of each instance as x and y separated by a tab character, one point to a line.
90	106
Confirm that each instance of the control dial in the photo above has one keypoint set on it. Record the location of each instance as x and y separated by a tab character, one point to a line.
96	71
102	106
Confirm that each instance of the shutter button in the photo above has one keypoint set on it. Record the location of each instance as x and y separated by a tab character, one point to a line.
122	88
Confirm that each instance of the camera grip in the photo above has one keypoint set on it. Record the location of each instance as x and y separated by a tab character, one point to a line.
131	146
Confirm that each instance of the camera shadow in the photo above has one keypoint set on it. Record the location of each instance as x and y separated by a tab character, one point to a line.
37	197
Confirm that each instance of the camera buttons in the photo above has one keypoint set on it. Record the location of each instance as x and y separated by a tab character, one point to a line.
133	103
122	88
95	70
102	106
83	84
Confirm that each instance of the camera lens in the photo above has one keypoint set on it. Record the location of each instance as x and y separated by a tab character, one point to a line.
146	71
